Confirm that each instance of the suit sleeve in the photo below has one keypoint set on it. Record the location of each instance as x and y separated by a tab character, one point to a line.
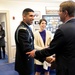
24	40
55	46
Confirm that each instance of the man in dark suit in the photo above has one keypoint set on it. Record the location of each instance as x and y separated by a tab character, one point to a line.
63	43
24	39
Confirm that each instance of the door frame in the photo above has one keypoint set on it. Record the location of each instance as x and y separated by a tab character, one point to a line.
6	12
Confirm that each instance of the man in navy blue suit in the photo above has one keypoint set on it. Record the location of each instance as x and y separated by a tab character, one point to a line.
63	43
24	39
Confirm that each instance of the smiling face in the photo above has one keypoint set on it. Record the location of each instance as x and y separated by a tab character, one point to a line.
42	25
28	18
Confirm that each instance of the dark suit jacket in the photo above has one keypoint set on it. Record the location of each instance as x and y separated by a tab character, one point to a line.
63	45
24	43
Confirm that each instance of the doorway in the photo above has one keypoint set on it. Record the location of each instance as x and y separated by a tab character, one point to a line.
4	21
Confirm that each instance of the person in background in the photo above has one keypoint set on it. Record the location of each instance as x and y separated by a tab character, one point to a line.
2	42
24	40
42	38
63	43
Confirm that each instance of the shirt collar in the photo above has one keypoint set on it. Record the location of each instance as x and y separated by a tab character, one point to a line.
70	19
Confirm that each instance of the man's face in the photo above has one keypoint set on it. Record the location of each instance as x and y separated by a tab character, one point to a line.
62	15
29	18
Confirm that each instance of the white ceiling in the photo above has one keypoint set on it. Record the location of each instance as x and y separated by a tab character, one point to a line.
47	1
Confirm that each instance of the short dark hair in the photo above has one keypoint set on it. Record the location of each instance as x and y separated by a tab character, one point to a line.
69	6
42	20
25	11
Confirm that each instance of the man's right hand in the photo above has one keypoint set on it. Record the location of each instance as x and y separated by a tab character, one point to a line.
31	53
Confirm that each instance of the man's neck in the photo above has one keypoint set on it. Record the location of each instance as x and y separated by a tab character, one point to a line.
25	23
69	18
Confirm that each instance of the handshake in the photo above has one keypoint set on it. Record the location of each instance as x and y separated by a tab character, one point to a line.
49	59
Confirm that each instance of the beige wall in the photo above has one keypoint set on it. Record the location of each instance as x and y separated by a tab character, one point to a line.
15	9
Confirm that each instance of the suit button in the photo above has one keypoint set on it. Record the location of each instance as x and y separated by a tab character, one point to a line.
28	59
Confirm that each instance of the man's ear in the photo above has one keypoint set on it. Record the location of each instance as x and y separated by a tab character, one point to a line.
66	13
23	16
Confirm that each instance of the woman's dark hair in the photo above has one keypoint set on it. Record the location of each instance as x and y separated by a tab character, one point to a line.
1	27
42	20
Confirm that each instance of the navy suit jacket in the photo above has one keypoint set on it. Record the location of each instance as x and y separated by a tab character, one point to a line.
63	45
24	40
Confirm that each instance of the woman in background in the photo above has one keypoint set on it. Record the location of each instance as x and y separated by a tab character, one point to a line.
42	38
2	42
